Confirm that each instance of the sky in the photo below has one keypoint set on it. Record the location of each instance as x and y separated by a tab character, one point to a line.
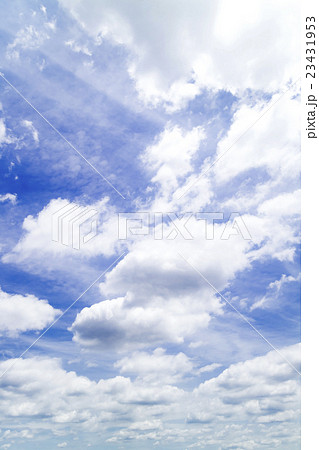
182	117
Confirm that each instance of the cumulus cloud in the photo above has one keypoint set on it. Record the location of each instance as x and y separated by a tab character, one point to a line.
256	388
263	391
155	267
153	296
19	313
152	279
153	301
38	242
119	323
41	386
272	144
157	366
153	292
179	49
263	163
256	160
169	160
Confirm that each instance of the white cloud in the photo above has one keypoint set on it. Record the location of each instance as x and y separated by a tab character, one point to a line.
267	151
265	388
170	162
29	125
39	386
2	131
277	285
152	297
154	267
286	204
157	366
77	48
183	47
209	368
152	280
4	137
162	297
19	313
26	38
9	434
156	297
171	155
273	237
260	397
51	25
121	324
36	242
272	144
12	198
274	289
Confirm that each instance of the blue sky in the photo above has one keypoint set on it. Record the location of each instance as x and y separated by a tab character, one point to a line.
163	100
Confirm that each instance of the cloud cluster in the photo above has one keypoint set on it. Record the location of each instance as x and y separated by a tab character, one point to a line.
257	387
153	280
263	390
156	311
181	48
150	296
19	313
154	296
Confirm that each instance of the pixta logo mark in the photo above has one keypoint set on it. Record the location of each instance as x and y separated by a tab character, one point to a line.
74	225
